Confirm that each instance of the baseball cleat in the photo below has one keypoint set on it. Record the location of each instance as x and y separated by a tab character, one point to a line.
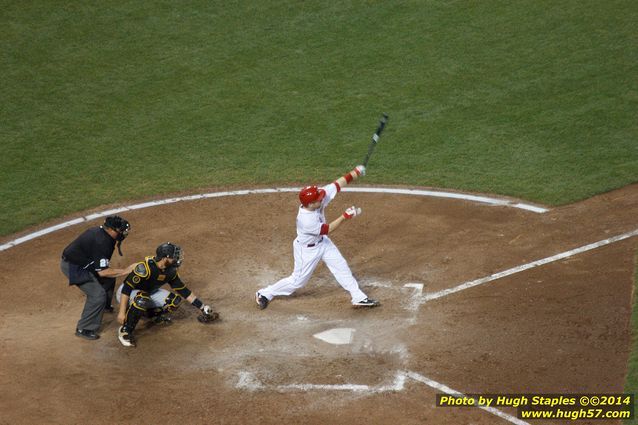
125	337
86	334
162	319
261	301
367	302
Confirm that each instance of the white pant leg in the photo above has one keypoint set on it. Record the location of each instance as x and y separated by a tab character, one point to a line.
118	294
340	270
157	297
306	261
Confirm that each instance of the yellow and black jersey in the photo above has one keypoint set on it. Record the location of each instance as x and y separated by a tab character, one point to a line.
148	277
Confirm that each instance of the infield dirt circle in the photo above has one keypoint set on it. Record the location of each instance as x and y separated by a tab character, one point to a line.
560	327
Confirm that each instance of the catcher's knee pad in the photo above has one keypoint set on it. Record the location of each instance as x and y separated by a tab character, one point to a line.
142	302
171	302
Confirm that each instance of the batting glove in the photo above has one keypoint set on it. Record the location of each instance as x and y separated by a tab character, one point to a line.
360	170
351	212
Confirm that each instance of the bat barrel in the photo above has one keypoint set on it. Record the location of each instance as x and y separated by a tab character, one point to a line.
375	138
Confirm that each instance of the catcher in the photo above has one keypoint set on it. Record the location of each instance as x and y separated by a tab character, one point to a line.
140	294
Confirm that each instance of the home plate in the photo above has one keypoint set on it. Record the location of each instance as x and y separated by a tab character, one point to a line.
337	336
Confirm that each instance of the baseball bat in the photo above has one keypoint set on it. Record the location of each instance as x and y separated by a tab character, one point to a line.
375	138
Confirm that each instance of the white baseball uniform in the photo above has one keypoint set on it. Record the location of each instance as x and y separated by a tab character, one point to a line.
312	245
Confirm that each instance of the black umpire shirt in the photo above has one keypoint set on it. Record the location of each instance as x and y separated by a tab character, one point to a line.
92	250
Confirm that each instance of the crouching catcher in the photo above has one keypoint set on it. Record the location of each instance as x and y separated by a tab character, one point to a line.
141	294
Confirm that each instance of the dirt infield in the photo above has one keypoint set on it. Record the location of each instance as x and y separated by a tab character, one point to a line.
558	327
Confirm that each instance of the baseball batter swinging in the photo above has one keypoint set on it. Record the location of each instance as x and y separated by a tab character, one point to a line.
312	244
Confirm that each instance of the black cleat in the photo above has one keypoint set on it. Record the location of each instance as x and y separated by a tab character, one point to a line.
125	337
367	302
162	319
261	301
86	334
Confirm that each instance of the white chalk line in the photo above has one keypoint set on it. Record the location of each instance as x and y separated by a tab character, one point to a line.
398	384
451	195
533	264
447	390
248	381
415	300
430	193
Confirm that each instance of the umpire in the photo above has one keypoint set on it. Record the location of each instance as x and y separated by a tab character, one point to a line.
86	262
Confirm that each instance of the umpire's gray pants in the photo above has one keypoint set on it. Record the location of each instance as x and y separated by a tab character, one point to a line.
91	318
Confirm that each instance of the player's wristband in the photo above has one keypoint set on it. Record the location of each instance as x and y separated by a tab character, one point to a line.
348	177
197	303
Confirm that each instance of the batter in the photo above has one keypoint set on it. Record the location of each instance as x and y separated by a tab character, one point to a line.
312	244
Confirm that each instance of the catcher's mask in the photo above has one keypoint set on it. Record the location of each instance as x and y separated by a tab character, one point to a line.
122	228
169	250
310	194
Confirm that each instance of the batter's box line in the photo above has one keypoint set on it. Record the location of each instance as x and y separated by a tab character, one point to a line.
414	301
248	381
528	266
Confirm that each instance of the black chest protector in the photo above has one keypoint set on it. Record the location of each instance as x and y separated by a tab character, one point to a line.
148	277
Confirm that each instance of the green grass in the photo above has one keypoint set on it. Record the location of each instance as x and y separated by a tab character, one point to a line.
118	101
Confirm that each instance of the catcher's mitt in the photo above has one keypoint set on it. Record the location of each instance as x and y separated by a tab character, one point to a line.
208	315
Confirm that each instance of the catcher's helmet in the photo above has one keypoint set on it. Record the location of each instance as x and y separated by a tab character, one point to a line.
310	194
169	250
118	224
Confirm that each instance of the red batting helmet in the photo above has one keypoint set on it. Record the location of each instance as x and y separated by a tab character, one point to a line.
310	194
